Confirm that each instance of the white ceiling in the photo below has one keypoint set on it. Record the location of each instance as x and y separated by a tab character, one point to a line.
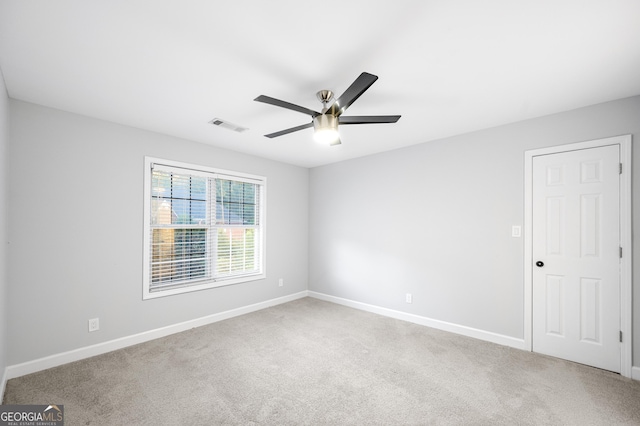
448	67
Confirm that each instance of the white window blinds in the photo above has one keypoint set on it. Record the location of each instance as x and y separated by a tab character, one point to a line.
205	229
237	225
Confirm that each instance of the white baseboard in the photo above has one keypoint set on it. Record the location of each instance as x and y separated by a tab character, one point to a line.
34	366
433	323
29	367
3	384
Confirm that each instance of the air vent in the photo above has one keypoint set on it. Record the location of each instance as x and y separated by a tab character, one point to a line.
228	125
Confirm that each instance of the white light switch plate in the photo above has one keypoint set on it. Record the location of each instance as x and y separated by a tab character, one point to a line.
516	231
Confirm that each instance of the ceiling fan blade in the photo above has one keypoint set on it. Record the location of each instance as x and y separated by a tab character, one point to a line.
357	88
291	130
368	119
287	105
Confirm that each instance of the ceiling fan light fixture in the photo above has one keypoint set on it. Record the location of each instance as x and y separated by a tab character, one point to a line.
325	123
326	129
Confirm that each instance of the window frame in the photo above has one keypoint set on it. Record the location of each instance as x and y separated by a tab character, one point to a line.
209	172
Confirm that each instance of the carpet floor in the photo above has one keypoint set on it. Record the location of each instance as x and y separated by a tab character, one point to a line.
310	362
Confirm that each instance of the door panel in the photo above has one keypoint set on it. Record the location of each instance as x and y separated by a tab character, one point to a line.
555	226
576	293
590	310
554	305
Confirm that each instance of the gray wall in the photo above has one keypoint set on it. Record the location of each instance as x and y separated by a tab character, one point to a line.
4	141
75	209
435	220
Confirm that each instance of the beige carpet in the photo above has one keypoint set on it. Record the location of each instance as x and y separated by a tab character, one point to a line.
317	363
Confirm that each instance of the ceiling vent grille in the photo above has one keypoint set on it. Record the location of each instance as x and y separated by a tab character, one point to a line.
228	125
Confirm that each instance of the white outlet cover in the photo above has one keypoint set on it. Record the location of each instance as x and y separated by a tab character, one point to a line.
94	324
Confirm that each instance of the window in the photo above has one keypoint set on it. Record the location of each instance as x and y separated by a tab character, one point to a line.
203	228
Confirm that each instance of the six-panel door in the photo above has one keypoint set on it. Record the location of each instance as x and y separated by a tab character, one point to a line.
576	272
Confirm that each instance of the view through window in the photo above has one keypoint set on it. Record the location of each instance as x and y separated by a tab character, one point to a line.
204	228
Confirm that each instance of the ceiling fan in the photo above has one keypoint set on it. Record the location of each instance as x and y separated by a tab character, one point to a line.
325	123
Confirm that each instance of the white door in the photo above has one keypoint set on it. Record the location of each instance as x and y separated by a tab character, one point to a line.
576	254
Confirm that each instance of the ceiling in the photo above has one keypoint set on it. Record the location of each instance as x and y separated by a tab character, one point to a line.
448	67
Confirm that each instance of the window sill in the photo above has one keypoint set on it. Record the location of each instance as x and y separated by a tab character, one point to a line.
187	288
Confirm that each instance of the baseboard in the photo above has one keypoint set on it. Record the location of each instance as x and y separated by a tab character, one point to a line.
3	384
34	366
51	361
429	322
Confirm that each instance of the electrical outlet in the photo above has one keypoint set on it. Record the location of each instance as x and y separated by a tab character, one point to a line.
409	298
94	324
280	282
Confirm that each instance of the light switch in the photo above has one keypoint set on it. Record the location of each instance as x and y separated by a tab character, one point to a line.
516	231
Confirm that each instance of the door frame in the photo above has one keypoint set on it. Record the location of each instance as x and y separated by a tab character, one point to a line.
626	262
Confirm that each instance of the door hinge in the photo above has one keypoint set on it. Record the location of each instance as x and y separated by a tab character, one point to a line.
620	336
620	252
620	168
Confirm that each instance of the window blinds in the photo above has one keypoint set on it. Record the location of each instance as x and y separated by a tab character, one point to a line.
204	227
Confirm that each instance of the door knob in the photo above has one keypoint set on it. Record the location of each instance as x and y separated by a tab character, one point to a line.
539	264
